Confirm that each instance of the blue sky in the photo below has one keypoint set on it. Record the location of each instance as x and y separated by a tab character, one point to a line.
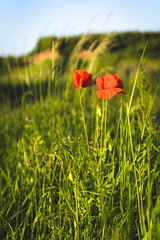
23	22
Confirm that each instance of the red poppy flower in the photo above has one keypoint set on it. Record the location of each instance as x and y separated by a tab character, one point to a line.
108	86
81	79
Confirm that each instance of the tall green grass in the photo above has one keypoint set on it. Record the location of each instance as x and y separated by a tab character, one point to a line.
79	168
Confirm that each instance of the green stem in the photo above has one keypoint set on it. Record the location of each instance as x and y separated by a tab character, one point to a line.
77	211
101	146
105	126
135	173
84	123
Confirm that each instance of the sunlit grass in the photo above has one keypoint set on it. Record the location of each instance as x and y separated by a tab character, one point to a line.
52	187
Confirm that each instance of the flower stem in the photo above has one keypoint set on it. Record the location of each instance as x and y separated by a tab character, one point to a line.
105	126
84	123
101	145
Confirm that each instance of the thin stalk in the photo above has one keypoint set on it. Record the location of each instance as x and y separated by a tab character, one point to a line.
135	174
100	179
77	211
40	83
149	185
101	146
136	78
105	126
50	88
97	132
53	69
60	206
134	85
84	123
148	115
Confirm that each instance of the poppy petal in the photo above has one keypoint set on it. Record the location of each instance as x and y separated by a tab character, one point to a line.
77	79
109	93
109	81
88	82
115	76
81	78
85	76
100	83
120	84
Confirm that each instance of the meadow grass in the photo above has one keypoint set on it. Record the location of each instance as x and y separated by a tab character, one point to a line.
77	167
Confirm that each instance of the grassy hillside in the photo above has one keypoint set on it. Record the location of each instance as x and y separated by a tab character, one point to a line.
99	53
74	166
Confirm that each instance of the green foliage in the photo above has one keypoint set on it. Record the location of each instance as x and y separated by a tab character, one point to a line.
13	62
43	43
71	166
128	41
121	47
136	40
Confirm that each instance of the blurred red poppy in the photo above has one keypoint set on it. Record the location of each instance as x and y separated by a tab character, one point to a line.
81	79
108	86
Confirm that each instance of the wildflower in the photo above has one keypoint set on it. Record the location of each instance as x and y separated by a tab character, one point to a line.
81	79
90	142
28	119
108	86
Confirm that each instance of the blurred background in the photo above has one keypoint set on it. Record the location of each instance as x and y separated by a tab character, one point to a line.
98	36
24	22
